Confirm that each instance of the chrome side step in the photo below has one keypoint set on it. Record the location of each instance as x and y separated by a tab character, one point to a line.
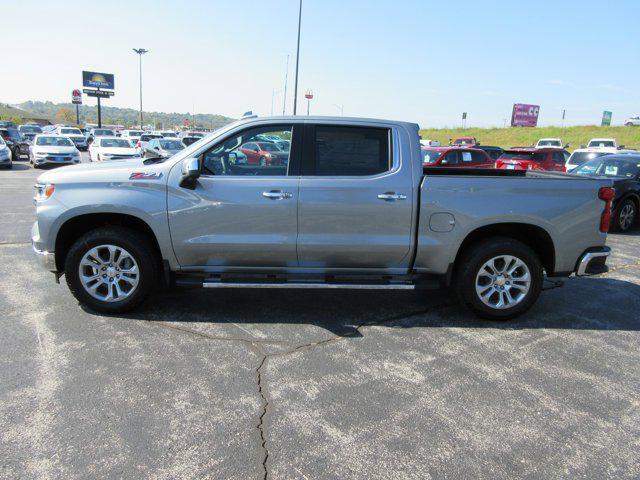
353	286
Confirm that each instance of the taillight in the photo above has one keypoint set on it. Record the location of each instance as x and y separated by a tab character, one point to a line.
606	194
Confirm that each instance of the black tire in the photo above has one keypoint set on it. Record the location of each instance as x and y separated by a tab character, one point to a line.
625	208
476	256
135	244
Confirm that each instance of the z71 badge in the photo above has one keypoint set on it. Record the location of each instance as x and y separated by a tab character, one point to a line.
145	176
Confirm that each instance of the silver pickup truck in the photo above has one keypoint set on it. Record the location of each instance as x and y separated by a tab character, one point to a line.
316	202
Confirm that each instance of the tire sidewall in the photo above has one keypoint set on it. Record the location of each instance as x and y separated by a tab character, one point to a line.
131	241
481	254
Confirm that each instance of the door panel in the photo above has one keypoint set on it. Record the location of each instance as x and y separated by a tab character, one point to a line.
343	223
230	222
238	215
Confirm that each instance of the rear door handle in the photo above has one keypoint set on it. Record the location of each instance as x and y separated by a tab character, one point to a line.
391	196
277	194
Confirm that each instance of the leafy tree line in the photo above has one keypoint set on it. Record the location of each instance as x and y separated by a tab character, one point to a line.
129	117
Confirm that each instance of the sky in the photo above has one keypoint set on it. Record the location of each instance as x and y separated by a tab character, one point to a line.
413	60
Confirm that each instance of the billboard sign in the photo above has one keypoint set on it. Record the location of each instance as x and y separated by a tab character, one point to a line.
98	80
525	115
606	118
98	93
76	97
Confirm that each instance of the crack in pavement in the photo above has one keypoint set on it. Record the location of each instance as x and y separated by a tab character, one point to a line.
255	346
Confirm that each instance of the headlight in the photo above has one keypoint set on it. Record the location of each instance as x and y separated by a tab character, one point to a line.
44	191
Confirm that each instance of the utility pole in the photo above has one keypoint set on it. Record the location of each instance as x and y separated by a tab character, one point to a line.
295	91
286	77
140	52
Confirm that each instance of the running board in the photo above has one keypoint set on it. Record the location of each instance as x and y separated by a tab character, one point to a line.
352	286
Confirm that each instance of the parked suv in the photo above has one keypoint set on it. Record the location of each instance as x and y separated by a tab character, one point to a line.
19	146
531	158
29	131
75	135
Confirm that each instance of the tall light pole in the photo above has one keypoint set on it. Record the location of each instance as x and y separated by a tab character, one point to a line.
295	91
140	52
286	77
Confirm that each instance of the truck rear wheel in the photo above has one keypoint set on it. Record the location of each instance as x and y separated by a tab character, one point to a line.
499	278
111	269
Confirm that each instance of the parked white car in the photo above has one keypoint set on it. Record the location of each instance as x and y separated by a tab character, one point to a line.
549	142
602	143
111	148
132	135
632	122
53	150
74	134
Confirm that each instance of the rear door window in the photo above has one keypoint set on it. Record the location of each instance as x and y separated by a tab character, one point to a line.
452	158
337	151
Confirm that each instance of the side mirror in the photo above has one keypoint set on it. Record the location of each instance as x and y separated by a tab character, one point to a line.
190	173
620	147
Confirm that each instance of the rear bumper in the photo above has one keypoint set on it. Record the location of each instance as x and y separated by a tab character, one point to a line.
593	261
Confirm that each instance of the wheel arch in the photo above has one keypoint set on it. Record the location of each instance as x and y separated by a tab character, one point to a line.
535	237
75	227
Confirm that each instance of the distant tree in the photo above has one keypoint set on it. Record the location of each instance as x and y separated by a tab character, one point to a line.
65	115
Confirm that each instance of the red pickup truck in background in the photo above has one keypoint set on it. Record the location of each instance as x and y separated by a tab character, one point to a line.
456	157
529	158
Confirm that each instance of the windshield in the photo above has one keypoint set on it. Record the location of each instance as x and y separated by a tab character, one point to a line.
549	143
54	142
578	158
29	129
12	133
169	135
115	143
610	166
463	141
135	133
171	144
103	133
601	144
146	138
70	131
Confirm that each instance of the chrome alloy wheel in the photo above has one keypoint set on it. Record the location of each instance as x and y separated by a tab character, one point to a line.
109	273
627	216
503	282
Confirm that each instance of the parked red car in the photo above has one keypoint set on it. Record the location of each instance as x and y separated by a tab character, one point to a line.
264	153
528	158
456	157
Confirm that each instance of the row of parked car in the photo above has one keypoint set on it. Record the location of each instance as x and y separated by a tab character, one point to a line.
601	157
547	154
61	144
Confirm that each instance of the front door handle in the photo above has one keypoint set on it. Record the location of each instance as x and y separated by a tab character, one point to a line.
391	196
277	194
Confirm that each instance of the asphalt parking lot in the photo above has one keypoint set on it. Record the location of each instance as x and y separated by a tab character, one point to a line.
308	384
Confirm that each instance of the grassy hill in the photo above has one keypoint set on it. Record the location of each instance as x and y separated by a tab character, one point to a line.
110	115
509	137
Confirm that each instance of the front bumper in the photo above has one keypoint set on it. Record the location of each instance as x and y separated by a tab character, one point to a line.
45	259
49	161
593	261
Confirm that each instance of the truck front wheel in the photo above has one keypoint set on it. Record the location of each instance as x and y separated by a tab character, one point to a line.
499	278
111	269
